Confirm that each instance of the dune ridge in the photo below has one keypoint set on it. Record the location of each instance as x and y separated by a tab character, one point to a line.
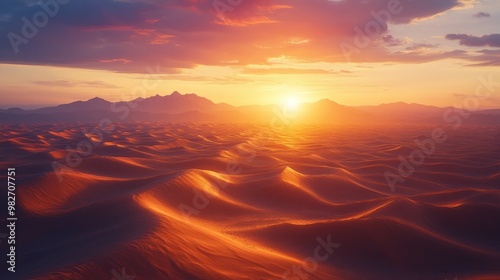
158	201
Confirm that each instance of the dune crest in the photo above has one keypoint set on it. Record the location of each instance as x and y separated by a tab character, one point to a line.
197	201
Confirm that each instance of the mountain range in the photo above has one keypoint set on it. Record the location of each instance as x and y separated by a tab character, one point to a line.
178	107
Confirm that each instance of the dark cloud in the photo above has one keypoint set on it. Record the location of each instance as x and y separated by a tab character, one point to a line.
130	35
492	40
422	9
481	15
476	58
390	41
421	46
485	58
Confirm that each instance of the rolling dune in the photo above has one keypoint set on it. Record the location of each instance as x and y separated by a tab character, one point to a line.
203	201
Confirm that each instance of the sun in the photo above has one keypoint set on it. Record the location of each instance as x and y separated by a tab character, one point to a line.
292	103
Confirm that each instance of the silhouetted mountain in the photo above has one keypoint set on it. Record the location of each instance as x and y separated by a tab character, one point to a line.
177	103
491	112
401	111
95	103
15	110
330	112
177	107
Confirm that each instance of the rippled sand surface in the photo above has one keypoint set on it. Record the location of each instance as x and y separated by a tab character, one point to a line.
189	201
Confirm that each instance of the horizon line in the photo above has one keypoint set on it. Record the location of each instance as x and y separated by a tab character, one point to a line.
28	107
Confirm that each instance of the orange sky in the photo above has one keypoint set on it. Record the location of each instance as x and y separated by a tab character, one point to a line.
258	52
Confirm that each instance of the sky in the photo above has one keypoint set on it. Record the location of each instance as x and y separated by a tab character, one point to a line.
355	52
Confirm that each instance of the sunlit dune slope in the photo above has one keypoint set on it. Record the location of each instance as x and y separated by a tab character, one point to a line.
203	201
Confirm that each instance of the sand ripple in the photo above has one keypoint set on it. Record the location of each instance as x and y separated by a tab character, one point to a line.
192	201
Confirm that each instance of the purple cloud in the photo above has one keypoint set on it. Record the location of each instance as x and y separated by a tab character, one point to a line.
492	40
128	36
481	15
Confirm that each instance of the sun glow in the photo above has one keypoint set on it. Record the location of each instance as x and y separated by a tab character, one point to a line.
292	103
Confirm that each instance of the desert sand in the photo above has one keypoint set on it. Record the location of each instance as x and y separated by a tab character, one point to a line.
236	201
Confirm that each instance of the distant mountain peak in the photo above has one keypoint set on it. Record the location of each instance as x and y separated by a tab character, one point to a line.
324	100
15	110
96	99
327	102
177	103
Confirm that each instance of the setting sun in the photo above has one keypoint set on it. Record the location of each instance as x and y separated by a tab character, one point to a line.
292	103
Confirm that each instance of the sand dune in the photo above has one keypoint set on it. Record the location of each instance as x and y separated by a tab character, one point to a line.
201	201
